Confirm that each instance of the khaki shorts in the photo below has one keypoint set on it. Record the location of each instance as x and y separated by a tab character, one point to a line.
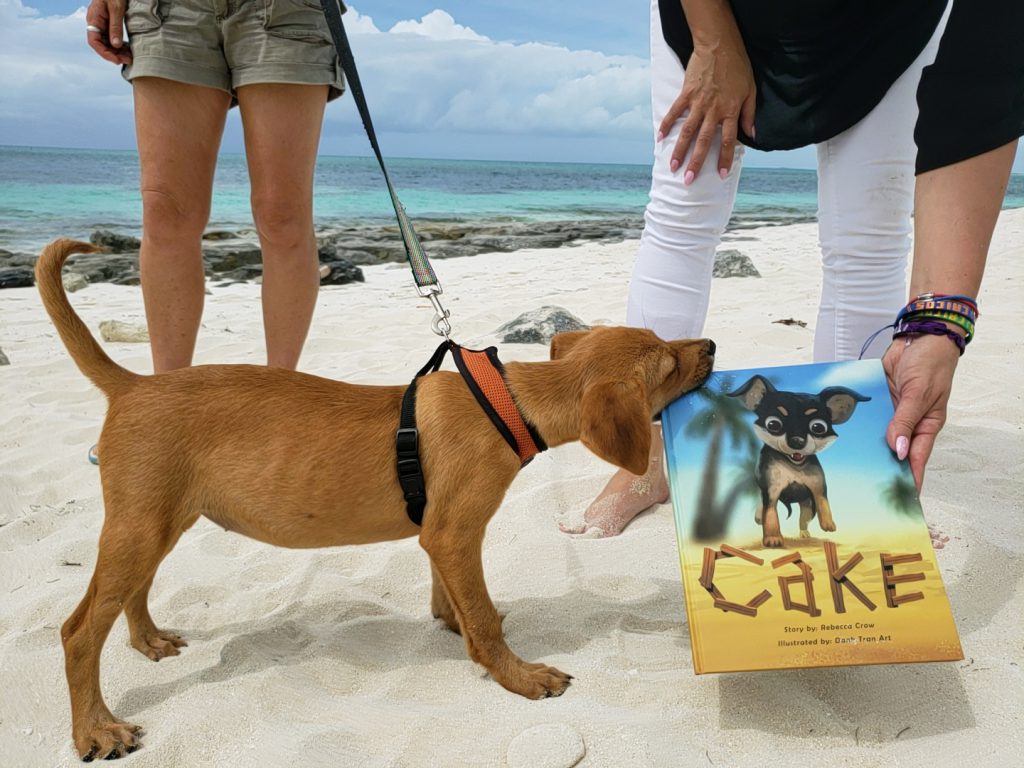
226	44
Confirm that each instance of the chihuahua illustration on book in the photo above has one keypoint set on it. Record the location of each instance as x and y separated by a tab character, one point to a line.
856	582
794	428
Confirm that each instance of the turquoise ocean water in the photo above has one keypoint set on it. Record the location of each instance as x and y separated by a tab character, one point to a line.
45	193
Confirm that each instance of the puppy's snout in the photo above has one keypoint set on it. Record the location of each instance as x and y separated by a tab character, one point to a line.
796	441
711	347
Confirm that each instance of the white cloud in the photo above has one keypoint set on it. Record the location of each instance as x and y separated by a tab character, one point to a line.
437	25
430	76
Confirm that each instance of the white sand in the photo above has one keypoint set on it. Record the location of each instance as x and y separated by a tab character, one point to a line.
309	658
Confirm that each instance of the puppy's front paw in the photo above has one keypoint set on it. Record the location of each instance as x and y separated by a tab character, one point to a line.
538	681
828	525
772	542
158	644
804	533
108	741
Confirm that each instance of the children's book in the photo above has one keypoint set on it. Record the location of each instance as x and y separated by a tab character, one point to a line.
802	542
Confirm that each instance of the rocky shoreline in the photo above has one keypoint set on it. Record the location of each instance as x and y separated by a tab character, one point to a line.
235	255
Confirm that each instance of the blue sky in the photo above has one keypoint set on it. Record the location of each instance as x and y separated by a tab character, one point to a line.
475	79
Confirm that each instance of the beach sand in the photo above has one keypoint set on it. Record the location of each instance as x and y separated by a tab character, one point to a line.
331	657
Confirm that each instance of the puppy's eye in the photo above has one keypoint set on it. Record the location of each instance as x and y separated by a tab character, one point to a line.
819	428
774	425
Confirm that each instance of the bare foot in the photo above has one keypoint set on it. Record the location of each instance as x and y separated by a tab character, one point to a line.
624	497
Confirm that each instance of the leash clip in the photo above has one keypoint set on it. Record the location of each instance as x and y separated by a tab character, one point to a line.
439	324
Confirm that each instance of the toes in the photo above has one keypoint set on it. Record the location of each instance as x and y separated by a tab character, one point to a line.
110	742
543	682
160	645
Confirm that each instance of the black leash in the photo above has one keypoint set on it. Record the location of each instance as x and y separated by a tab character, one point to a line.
427	283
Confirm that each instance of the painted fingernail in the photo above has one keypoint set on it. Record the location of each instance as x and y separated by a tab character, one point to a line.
688	178
674	165
661	135
724	173
902	447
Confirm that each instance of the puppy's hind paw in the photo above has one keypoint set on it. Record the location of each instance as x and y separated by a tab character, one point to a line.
773	542
158	644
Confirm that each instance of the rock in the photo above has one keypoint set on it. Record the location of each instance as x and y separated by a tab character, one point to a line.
115	330
226	259
19	259
246	272
16	277
104	267
731	263
129	278
341	272
553	745
113	242
538	326
74	281
3	358
219	235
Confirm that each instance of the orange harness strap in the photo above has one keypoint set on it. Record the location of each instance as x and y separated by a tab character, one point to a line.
485	376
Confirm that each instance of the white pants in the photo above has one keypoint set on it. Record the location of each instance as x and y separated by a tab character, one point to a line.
865	201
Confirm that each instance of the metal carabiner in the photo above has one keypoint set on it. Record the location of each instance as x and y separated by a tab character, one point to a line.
439	324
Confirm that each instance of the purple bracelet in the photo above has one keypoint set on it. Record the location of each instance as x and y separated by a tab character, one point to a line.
932	327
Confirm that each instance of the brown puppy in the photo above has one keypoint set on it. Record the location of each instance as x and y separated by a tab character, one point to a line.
257	450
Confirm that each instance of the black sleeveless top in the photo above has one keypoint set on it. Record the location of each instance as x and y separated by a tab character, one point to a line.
821	65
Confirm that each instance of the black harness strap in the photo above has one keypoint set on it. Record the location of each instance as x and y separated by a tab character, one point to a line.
407	442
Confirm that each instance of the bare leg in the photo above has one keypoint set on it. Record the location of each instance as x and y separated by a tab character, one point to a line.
624	497
282	131
179	129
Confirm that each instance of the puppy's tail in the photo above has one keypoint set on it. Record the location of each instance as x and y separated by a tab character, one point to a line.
85	350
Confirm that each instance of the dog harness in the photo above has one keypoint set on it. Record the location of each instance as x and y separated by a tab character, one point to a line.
485	376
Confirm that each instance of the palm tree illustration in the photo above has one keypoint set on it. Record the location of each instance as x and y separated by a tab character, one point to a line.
901	496
723	419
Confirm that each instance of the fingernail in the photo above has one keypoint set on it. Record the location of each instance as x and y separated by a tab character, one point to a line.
753	132
674	165
116	41
724	173
661	135
688	178
902	447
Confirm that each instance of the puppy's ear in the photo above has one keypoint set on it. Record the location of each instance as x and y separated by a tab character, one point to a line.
563	343
615	423
752	393
840	402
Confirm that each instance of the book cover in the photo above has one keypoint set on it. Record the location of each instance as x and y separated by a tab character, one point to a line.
802	542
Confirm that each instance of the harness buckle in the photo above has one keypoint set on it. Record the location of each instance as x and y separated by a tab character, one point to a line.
407	441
